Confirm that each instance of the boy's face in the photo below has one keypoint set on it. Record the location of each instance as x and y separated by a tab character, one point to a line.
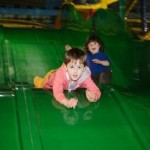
94	47
75	69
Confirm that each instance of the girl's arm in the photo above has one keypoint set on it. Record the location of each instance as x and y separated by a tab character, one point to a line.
101	62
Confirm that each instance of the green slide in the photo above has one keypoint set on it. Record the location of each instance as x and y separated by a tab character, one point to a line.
31	119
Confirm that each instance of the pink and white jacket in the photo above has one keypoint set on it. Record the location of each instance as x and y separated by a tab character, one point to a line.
59	81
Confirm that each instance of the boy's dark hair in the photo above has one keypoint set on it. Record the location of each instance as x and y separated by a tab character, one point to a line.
75	54
93	38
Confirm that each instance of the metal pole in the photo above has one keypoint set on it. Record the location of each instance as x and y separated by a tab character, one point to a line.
122	8
143	15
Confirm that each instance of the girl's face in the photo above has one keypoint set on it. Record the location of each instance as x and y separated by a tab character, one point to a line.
75	69
94	47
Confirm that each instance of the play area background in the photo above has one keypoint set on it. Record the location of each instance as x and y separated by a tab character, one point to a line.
31	119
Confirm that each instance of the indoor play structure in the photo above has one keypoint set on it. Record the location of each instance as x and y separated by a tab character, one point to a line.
31	119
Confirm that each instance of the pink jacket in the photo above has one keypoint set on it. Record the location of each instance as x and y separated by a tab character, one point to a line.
59	81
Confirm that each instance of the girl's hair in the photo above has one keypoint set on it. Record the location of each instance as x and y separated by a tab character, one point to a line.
75	54
93	38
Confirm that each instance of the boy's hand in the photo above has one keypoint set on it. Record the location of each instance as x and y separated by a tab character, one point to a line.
72	103
91	96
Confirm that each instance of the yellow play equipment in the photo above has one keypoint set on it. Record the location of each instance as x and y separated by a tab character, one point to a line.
102	4
88	9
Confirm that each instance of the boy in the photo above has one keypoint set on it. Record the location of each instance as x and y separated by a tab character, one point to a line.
71	75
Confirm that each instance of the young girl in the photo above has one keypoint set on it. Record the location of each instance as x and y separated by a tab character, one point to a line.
71	75
97	60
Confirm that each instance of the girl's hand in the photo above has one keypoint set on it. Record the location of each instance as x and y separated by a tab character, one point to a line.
101	62
67	47
91	96
97	61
